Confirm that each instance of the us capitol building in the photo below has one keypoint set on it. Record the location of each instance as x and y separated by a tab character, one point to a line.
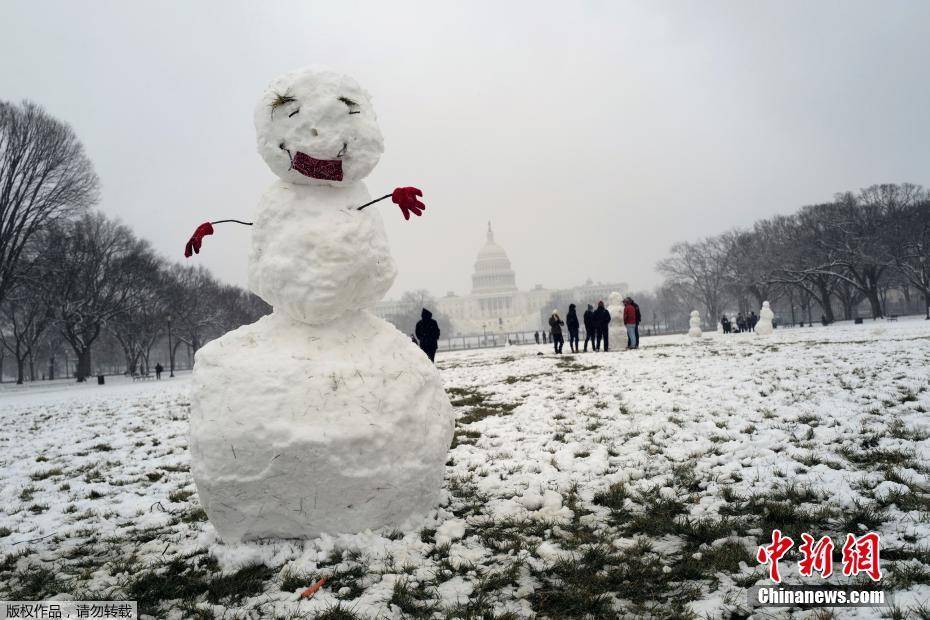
496	305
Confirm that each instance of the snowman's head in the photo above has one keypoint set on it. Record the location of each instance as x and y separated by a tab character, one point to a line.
318	127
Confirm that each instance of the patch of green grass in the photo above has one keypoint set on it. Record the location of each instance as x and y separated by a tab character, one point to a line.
27	493
177	580
878	457
905	575
154	476
479	413
898	430
413	601
336	612
614	498
510	380
464	436
468	398
32	584
568	364
180	495
245	582
196	515
5	531
48	473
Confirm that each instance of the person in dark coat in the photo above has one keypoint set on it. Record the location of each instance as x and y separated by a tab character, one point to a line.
555	331
588	319
427	332
725	324
536	335
158	370
571	322
601	331
752	320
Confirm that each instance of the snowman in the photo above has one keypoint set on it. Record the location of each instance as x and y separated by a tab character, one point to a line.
764	326
695	323
319	417
615	308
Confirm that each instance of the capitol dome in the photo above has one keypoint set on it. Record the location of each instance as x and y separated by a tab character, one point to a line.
493	273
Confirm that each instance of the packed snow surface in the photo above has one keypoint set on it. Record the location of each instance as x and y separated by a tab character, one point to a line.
630	484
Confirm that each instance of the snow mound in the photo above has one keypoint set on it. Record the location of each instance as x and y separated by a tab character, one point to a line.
297	430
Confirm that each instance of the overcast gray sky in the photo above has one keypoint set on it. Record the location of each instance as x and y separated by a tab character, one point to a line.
593	135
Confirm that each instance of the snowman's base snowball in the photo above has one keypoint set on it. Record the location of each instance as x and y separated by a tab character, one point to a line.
299	429
763	330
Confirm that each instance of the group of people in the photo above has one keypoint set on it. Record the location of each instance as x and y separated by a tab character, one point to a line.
596	326
739	324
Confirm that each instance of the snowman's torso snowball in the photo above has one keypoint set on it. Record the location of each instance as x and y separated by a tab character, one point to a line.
314	256
301	429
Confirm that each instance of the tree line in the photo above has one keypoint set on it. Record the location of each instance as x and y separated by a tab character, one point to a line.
71	277
825	260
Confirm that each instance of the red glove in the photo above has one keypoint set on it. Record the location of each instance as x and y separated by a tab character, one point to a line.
406	199
193	244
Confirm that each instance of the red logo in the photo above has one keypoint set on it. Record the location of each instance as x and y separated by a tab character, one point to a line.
860	555
772	553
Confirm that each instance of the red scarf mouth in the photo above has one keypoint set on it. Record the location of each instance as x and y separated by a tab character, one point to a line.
322	169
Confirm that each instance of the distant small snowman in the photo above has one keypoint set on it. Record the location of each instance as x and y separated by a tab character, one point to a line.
319	417
764	327
695	323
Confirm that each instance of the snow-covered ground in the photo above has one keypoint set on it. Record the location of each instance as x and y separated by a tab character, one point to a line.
629	484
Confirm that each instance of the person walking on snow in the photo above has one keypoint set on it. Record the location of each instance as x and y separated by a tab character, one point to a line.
571	322
601	330
629	321
588	319
555	329
427	332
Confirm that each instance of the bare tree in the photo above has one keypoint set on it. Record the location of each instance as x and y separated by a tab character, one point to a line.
96	259
193	315
44	176
138	325
911	248
700	270
26	315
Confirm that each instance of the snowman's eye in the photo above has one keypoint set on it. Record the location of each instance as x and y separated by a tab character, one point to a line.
279	101
353	106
